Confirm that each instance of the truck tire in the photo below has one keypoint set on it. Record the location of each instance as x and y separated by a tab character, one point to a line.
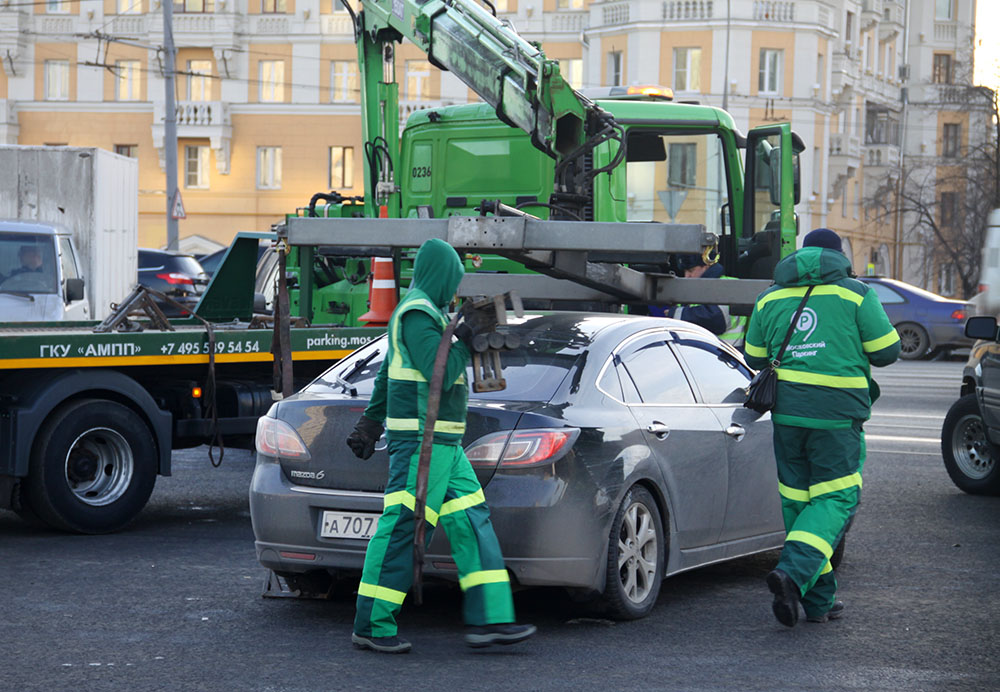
636	557
969	457
92	469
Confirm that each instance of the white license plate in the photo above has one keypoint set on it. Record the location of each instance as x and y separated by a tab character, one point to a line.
348	525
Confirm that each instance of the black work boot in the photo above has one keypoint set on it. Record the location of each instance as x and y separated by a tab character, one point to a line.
786	597
383	645
507	633
836	610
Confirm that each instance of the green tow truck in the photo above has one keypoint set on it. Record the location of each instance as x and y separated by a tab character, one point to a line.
616	185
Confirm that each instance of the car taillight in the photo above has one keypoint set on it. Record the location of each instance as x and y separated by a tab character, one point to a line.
276	438
520	448
958	315
174	278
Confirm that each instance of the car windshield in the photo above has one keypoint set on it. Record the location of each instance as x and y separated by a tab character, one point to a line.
533	372
27	263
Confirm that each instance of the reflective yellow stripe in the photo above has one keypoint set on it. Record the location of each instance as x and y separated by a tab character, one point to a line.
822	380
812	540
411	424
396	369
464	502
382	593
799	291
486	576
755	351
398	372
793	493
881	342
837	484
402	497
827	567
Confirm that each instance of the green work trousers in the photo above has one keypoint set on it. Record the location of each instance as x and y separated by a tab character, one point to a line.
455	499
819	478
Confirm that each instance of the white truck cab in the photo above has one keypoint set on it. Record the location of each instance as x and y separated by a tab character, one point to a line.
40	277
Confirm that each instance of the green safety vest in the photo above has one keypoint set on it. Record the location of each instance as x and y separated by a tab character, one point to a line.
407	388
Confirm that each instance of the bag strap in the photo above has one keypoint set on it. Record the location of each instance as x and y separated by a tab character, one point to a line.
791	329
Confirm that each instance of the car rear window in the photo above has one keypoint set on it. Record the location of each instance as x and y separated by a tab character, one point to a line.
184	265
532	372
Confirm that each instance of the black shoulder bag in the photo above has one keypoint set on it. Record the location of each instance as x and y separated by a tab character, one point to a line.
763	388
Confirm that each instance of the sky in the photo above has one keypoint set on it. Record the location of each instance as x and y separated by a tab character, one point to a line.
987	58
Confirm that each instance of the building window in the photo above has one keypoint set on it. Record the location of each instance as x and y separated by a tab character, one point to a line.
341	167
199	80
682	163
687	69
942	68
569	4
572	71
615	68
194	5
951	141
56	6
946	279
769	77
127	84
129	6
344	81
272	81
196	167
848	32
418	80
129	150
268	168
272	6
948	209
57	80
944	9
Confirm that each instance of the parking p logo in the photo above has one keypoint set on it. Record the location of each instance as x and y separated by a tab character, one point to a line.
807	322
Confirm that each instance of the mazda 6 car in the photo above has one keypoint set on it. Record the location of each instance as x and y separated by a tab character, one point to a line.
619	453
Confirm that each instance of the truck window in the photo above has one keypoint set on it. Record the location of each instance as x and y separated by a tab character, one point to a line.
676	178
27	263
68	259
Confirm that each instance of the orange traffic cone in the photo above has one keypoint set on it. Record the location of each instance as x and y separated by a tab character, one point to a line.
381	293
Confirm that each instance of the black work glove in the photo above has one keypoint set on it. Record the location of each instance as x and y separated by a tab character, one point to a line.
475	322
362	440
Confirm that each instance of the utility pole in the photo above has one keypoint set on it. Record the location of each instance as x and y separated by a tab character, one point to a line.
725	78
170	120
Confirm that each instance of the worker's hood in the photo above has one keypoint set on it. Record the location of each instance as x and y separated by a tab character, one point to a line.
437	271
811	266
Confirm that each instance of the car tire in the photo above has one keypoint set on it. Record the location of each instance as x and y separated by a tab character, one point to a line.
92	468
913	341
636	550
969	457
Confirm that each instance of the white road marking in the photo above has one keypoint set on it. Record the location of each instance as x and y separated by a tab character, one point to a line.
897	451
900	438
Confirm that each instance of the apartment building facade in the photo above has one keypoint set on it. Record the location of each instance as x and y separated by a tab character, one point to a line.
268	113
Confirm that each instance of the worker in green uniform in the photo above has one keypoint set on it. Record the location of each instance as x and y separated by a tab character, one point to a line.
824	395
454	497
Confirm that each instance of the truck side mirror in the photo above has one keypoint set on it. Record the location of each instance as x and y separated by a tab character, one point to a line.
981	327
774	183
74	290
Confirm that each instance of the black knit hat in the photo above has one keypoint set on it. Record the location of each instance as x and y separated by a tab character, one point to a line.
823	237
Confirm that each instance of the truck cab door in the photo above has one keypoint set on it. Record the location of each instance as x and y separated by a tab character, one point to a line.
771	191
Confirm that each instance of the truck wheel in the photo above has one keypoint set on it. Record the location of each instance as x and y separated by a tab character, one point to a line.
970	458
92	468
636	550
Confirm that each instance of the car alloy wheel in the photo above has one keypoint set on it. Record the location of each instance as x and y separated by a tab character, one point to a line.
635	556
969	457
913	342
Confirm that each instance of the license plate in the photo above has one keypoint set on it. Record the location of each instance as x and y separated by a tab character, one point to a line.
348	525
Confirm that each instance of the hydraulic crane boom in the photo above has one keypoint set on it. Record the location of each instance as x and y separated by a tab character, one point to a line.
512	75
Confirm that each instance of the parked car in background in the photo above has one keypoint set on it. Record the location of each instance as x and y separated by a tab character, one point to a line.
180	277
970	437
927	323
618	454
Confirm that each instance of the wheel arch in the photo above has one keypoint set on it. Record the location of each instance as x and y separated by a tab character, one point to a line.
36	399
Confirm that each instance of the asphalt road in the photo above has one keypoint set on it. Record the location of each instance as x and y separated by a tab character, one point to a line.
174	602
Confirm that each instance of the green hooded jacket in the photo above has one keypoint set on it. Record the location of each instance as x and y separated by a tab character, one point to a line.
824	378
415	328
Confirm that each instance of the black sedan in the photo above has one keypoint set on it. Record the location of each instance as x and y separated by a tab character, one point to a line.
618	454
179	276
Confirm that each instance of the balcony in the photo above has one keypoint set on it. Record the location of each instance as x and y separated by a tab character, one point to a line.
946	32
688	10
209	120
337	24
882	156
779	11
871	12
14	28
845	151
564	21
845	73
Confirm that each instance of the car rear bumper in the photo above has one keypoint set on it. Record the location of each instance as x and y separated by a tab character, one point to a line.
948	336
286	520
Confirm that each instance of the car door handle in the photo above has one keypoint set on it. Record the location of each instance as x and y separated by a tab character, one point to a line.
737	431
659	429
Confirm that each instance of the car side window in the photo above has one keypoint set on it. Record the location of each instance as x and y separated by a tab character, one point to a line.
68	259
656	375
886	295
719	376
